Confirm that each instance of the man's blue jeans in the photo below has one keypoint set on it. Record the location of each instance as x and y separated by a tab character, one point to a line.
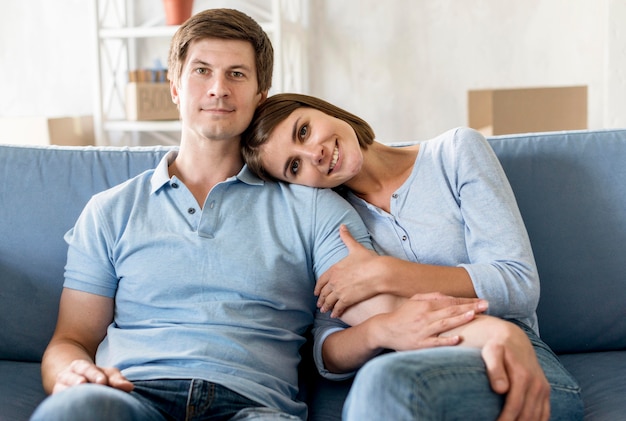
154	400
448	383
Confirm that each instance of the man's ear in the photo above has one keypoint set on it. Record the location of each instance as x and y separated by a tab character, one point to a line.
263	98
174	92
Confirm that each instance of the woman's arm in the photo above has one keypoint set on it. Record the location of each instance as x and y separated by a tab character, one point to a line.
418	322
363	274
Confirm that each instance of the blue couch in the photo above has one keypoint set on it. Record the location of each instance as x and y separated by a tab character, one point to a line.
570	186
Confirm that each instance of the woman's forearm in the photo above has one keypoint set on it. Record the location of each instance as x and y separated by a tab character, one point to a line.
405	278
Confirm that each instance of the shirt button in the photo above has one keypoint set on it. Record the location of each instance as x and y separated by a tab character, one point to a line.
175	185
212	205
191	211
404	238
395	195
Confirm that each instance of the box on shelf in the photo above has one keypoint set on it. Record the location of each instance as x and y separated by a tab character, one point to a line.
63	131
526	110
149	101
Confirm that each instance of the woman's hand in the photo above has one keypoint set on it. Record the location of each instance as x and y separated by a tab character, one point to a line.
350	281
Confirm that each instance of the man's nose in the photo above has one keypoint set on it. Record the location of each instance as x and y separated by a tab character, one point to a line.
219	86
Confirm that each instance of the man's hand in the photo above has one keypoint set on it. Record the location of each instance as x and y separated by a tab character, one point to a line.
513	369
83	371
350	281
421	321
512	366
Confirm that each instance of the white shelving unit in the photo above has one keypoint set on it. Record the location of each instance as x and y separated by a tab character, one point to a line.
124	34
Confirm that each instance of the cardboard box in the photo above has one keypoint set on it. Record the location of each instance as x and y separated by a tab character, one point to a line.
149	101
64	131
506	111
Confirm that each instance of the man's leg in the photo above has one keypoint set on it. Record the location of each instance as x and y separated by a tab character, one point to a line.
95	403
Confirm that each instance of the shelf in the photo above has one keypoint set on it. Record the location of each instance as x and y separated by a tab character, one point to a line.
124	40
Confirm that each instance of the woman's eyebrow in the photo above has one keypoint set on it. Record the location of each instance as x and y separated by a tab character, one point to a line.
294	133
294	138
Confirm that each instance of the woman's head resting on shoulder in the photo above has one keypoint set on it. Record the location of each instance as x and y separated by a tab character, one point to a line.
304	140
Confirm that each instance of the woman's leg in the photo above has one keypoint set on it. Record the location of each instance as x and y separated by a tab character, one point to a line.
447	383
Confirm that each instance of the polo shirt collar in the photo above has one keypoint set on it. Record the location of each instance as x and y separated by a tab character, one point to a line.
161	175
248	177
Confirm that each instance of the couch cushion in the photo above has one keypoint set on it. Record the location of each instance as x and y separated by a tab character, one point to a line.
601	377
20	390
571	190
42	192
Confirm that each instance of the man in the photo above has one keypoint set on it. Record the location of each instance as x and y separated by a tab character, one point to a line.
189	288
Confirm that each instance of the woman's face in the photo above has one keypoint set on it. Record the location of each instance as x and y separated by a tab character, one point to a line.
312	148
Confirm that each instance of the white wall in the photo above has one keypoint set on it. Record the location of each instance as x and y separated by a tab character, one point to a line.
404	65
46	63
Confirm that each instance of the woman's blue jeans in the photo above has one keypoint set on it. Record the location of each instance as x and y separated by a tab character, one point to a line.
448	383
154	400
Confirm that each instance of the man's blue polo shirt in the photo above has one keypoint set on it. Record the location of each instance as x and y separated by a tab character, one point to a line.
223	292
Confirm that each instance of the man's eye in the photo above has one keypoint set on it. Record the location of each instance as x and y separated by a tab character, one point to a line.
303	132
201	71
295	165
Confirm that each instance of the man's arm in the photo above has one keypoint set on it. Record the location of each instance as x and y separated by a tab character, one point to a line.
417	323
69	358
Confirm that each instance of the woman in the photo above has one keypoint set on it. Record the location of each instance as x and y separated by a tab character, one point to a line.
443	208
441	213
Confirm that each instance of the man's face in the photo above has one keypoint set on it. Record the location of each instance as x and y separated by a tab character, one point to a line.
217	93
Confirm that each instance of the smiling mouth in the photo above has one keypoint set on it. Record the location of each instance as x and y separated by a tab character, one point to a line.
333	161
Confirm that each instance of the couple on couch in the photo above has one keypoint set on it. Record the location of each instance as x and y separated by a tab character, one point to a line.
189	289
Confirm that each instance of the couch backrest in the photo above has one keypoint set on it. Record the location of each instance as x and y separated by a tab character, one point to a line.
571	190
570	187
42	192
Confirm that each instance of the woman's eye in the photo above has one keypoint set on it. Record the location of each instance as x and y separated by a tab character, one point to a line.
303	132
237	75
295	165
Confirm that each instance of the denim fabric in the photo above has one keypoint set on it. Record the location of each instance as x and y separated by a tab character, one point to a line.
448	383
155	400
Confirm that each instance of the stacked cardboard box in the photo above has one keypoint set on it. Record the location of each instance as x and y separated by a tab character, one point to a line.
507	111
64	131
148	96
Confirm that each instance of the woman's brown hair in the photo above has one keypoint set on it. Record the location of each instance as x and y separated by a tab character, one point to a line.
277	108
